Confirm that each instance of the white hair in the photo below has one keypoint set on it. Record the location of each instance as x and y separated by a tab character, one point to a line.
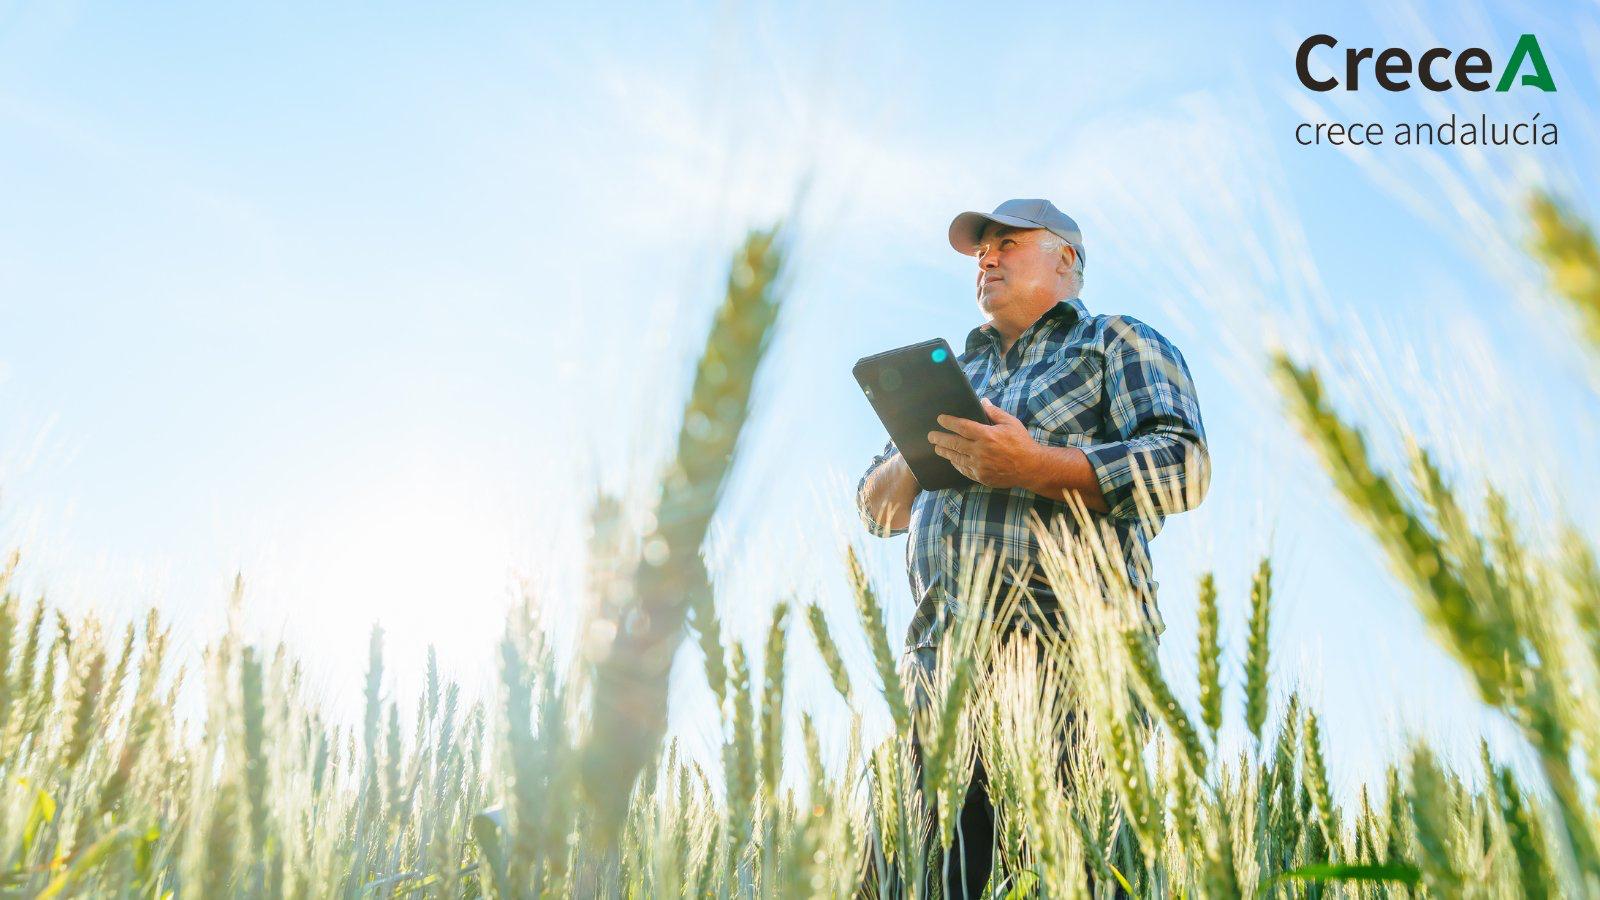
1053	241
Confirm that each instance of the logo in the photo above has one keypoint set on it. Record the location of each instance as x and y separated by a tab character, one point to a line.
1392	69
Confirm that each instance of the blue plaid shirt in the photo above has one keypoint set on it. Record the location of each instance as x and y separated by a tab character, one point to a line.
1110	385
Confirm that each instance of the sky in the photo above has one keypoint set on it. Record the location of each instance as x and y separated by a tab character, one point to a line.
366	306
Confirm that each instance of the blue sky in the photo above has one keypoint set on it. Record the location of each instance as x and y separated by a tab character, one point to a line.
367	304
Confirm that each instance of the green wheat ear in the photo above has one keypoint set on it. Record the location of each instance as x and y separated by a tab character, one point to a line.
739	755
871	614
1141	650
1433	814
1258	649
1414	550
1566	246
772	672
1210	657
829	650
708	628
1525	834
1315	768
1459	592
630	683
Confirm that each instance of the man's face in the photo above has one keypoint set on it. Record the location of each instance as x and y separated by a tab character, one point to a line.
1014	270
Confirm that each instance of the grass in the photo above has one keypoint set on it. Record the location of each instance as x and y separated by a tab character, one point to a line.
1101	778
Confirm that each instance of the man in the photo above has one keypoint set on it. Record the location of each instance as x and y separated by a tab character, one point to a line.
1101	406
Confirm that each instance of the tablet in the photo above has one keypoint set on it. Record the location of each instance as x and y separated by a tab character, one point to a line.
909	388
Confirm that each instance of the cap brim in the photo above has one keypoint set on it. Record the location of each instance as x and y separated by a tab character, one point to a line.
965	228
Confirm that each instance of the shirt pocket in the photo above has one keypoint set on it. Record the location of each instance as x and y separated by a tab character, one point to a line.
1064	399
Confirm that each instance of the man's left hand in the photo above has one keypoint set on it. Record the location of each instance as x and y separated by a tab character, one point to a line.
1001	455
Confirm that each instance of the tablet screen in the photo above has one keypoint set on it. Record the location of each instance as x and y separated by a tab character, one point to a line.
909	388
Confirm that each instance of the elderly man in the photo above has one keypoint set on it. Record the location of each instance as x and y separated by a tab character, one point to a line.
1101	406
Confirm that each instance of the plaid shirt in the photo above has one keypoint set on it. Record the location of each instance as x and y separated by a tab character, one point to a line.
1109	385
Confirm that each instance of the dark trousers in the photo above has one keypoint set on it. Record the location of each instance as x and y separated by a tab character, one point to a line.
971	856
964	870
975	844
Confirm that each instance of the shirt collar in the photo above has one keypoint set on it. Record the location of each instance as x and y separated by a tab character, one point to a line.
1070	312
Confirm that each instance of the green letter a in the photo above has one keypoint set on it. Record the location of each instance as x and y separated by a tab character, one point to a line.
1527	49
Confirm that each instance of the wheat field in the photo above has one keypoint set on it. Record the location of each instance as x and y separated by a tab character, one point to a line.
1104	783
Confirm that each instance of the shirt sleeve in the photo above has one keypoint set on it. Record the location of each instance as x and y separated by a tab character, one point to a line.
1159	450
889	451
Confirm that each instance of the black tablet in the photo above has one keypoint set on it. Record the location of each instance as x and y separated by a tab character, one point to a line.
909	388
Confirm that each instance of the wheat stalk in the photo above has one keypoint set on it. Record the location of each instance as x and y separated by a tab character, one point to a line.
1316	779
1209	656
630	682
871	616
1566	245
772	672
1258	650
831	657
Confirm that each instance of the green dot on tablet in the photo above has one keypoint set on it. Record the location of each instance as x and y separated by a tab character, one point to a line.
939	355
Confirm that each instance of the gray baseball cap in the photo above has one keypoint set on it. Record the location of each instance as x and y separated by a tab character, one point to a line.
965	228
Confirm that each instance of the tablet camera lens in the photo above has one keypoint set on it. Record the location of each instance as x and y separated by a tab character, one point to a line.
940	354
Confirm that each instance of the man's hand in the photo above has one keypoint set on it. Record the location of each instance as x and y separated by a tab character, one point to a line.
1002	455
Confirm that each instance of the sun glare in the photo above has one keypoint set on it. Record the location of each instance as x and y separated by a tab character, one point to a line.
429	553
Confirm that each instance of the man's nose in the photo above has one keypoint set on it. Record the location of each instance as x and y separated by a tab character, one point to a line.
989	259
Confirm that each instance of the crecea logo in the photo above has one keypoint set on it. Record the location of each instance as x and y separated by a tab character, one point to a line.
1393	68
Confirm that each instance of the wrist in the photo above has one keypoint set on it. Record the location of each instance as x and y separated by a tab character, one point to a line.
1036	473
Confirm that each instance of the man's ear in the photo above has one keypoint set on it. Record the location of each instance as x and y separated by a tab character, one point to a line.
1065	268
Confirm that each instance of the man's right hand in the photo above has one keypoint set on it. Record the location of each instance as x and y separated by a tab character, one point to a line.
889	492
